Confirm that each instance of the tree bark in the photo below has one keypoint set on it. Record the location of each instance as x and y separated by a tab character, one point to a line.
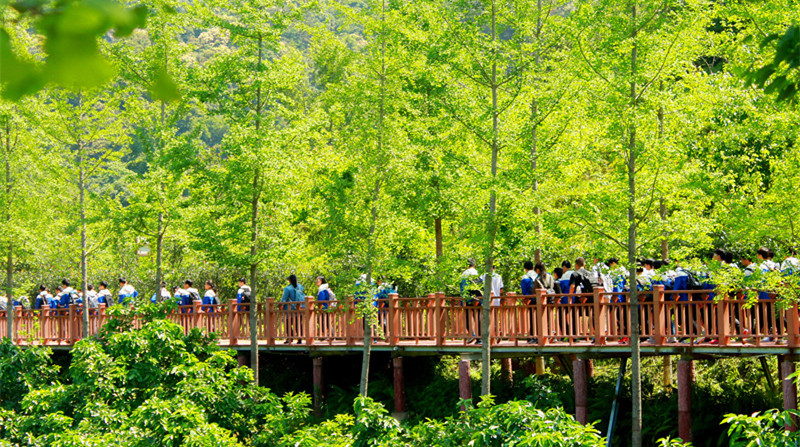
437	224
10	260
84	273
486	365
537	254
159	252
254	228
636	362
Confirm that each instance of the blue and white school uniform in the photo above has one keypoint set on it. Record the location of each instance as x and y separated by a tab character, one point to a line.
325	294
565	280
209	299
104	297
65	298
127	294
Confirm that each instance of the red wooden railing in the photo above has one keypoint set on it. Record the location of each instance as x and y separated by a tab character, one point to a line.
598	319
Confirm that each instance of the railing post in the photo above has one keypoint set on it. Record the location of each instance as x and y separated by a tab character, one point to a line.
310	326
723	321
438	315
515	321
349	321
196	313
15	326
44	316
430	315
101	316
658	314
271	322
541	331
233	326
394	318
599	316
794	326
72	336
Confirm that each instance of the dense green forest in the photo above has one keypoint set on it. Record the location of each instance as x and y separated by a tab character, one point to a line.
218	139
342	134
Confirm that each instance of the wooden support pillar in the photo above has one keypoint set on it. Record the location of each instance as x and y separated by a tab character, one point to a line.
318	386
667	377
685	378
508	370
580	381
540	368
787	368
589	368
243	357
464	381
400	412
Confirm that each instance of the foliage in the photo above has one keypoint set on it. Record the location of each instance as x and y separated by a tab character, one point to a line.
768	428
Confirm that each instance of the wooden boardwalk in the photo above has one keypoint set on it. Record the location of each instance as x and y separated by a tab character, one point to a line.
672	322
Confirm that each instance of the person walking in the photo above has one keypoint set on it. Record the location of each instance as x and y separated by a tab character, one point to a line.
127	294
293	293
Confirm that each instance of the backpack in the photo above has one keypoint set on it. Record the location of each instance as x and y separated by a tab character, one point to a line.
693	282
194	295
246	295
548	283
585	283
298	295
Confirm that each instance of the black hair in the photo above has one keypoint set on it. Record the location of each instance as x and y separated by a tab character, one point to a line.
763	252
90	287
580	262
123	280
188	282
539	267
612	261
729	257
558	271
770	253
649	261
104	284
528	265
65	282
639	269
721	253
59	288
163	284
566	264
747	257
42	287
292	280
243	279
321	279
211	284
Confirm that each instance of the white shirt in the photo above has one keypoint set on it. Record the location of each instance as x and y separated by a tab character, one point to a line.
91	299
470	272
127	290
497	286
791	263
105	293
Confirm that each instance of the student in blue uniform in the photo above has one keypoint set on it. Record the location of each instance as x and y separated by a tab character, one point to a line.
103	294
209	297
565	280
526	284
127	294
243	294
67	295
324	292
43	298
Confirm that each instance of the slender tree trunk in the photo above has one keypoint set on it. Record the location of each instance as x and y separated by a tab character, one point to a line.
368	323
10	260
636	363
254	228
159	252
437	225
486	355
84	275
537	254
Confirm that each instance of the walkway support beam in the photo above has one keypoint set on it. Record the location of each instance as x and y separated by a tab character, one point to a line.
685	379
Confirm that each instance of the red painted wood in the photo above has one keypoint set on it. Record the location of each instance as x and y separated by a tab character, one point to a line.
685	378
579	369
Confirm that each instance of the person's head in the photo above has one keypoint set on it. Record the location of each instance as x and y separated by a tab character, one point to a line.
42	287
746	260
90	287
163	285
538	268
728	257
612	262
209	284
770	253
527	265
579	263
242	281
321	280
558	272
471	262
65	283
639	269
123	281
649	264
175	289
566	265
59	289
292	280
103	285
719	255
187	284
